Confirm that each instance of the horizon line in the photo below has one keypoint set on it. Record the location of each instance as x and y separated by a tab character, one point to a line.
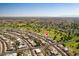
39	16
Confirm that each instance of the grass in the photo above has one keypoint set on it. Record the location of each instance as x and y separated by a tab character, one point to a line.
52	33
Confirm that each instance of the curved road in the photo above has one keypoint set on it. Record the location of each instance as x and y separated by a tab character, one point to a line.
28	39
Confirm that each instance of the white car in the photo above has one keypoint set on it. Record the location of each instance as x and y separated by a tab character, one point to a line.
66	49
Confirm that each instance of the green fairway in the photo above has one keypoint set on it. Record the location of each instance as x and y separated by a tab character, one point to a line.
54	31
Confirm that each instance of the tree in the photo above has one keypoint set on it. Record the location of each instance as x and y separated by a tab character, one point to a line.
77	46
54	38
16	45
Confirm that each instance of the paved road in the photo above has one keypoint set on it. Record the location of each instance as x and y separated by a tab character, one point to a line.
29	38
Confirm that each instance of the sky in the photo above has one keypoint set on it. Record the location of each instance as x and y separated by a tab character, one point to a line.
39	9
